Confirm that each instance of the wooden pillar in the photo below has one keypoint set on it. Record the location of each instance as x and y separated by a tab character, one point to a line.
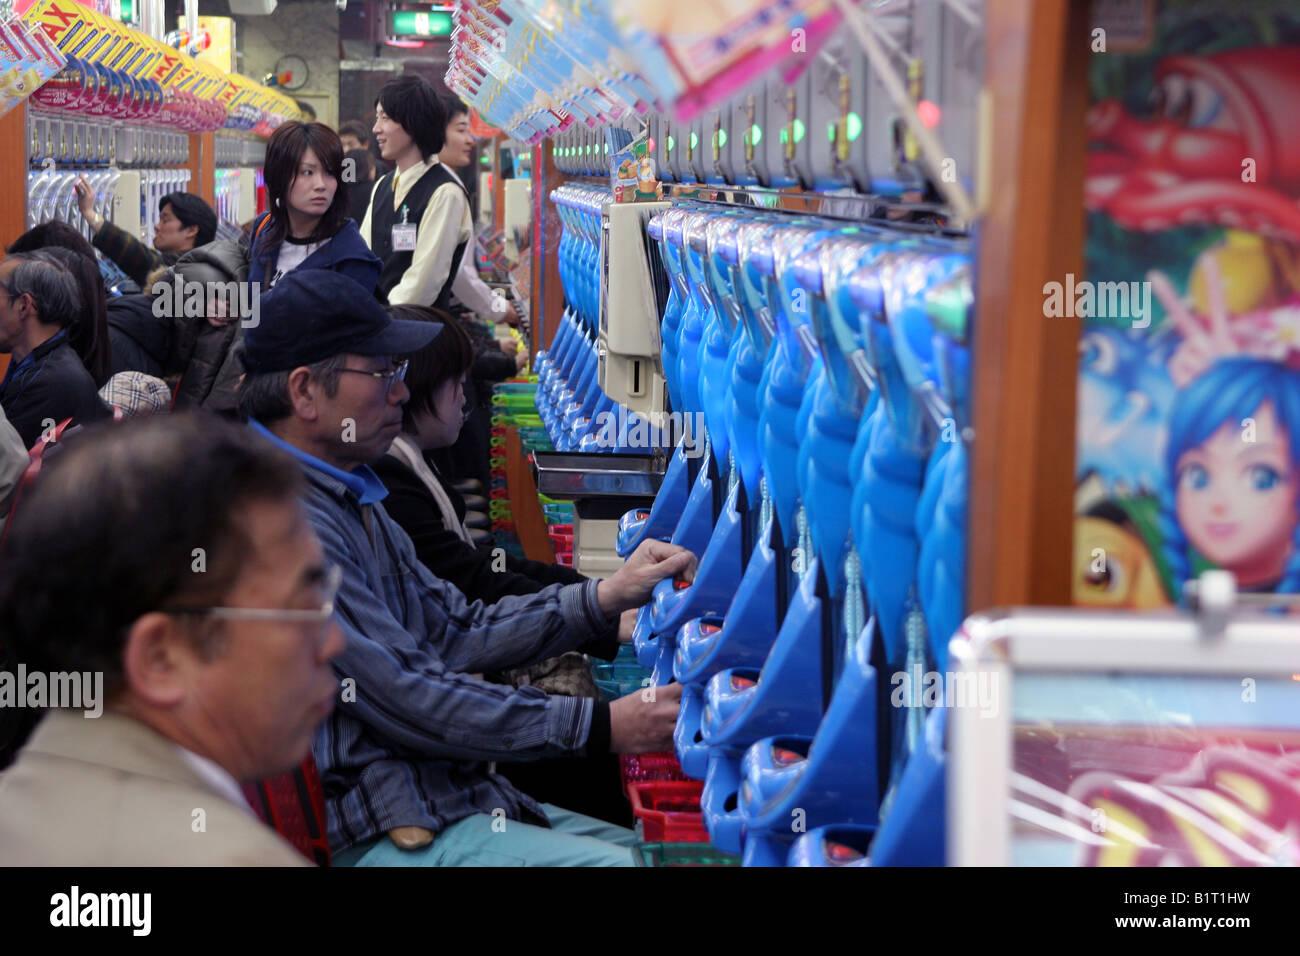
530	523
498	187
203	170
1025	374
548	294
13	183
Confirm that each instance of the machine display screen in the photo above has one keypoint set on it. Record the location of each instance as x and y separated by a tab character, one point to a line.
1155	770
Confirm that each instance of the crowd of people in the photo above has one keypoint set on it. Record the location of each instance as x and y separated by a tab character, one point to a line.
266	557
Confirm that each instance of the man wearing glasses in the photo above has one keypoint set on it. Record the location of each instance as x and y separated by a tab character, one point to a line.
405	758
167	562
46	382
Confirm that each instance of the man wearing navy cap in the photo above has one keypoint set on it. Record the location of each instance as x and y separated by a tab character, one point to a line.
405	757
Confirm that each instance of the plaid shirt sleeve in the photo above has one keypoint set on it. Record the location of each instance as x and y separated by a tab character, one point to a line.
412	689
131	255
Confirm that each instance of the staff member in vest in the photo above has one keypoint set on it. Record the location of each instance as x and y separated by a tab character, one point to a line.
469	290
418	222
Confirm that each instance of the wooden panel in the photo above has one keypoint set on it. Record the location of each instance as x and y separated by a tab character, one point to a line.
1022	464
548	294
13	183
530	523
498	187
203	172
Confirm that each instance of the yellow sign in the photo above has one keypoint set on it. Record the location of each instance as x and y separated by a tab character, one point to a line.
221	48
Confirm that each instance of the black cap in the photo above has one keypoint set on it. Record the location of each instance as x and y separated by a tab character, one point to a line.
192	210
313	314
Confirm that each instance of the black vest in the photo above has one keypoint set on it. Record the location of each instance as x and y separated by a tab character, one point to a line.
383	216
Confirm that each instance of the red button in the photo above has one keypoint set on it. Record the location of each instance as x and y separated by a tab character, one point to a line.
740	683
840	854
785	757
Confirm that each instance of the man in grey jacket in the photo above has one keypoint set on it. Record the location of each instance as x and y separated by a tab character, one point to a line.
13	462
163	595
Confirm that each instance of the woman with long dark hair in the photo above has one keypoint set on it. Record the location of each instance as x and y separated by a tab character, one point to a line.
307	225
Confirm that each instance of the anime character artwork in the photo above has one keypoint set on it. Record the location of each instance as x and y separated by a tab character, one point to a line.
1188	452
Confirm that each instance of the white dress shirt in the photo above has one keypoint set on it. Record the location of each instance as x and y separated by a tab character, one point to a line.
470	290
216	777
445	225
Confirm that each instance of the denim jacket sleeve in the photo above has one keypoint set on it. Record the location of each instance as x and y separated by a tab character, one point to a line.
412	688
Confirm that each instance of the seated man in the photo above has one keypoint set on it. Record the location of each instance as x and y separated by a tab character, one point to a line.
185	222
165	565
45	382
404	760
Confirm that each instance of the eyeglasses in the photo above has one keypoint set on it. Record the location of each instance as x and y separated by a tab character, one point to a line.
320	617
388	377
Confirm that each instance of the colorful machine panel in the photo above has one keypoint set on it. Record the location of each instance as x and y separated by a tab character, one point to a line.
1188	437
1168	770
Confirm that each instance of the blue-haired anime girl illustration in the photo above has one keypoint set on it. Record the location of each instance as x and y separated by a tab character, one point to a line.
1233	460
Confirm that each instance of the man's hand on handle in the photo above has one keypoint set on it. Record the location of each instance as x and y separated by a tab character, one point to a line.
633	583
644	720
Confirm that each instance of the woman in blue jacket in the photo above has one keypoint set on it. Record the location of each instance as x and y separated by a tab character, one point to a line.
307	226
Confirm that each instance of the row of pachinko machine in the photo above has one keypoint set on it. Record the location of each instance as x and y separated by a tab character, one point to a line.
815	375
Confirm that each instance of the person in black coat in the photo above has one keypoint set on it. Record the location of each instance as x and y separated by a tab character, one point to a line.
432	512
46	381
165	334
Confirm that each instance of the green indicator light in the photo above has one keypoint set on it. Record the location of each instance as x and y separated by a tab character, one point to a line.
695	140
855	126
785	135
607	149
420	23
671	143
722	138
799	131
830	132
755	135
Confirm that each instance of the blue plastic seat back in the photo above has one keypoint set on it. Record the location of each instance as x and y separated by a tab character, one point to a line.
914	829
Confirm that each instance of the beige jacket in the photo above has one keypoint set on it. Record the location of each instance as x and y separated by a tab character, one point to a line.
109	791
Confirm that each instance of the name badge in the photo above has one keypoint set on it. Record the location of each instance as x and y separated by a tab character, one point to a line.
404	237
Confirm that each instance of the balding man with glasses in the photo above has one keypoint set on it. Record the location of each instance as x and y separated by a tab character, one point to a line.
165	566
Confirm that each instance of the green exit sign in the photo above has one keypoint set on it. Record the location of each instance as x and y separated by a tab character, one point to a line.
410	23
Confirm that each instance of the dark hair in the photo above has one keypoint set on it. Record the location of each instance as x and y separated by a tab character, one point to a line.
191	210
356	129
453	106
43	275
412	102
284	152
111	530
450	355
307	108
264	396
362	163
88	335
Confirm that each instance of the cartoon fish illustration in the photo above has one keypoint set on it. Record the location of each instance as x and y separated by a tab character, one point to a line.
1223	147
